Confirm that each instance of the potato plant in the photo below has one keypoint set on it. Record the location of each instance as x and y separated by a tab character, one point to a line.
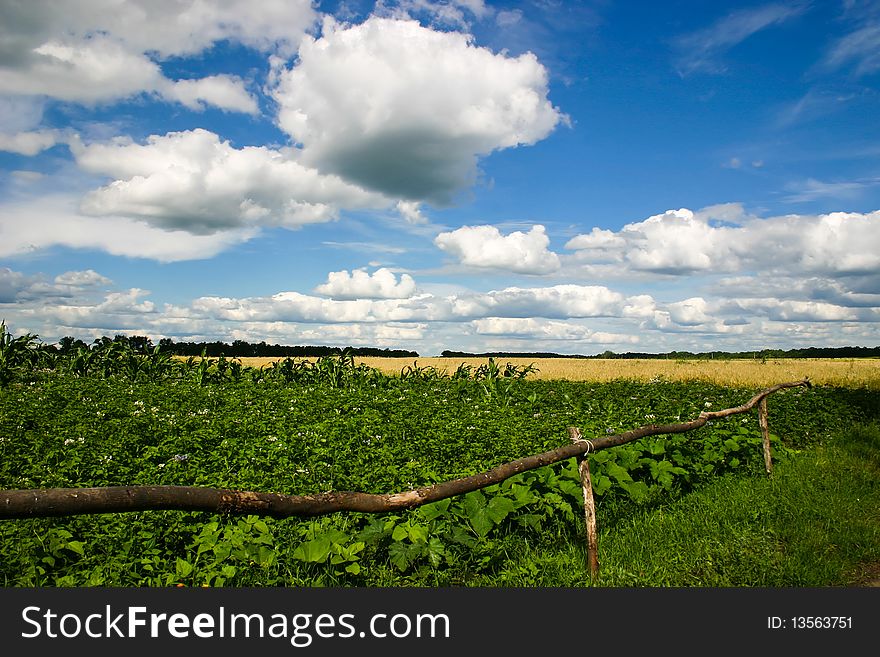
107	416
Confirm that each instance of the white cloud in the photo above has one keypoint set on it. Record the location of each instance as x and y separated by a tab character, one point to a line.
454	13
224	91
690	312
20	113
96	51
117	310
806	311
598	242
565	318
28	143
508	18
700	51
812	189
537	329
165	27
16	287
359	284
407	110
849	291
12	283
25	176
195	182
561	301
860	48
486	247
724	239
410	211
94	70
54	221
85	278
558	301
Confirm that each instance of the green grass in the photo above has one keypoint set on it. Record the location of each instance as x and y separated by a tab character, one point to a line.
814	522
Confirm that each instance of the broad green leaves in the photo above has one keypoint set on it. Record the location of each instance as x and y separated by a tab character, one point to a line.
107	420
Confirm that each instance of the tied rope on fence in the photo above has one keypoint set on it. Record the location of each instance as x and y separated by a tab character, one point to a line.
48	502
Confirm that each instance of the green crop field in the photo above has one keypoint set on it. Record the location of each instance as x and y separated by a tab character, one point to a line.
693	509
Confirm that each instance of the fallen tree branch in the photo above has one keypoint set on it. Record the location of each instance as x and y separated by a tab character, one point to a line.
116	499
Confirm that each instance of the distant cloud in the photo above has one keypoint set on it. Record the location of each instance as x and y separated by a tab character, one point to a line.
815	103
724	239
60	224
485	247
86	278
29	143
569	318
224	91
410	211
508	18
555	302
539	329
702	51
359	284
407	111
859	49
812	189
452	13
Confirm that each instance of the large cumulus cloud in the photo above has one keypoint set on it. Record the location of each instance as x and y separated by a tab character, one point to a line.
407	110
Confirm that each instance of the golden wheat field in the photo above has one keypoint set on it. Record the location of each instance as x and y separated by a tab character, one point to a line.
844	372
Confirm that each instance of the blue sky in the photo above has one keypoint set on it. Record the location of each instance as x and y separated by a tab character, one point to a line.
572	177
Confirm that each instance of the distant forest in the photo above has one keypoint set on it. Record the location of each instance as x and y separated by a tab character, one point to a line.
809	352
242	349
237	349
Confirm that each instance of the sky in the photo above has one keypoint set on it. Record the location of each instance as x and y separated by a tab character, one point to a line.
571	177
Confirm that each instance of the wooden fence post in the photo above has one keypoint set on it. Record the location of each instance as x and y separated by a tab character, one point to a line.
765	434
583	461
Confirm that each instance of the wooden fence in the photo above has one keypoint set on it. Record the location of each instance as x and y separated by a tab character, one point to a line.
115	499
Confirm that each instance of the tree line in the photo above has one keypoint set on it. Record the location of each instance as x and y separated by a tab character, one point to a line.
763	354
237	349
242	349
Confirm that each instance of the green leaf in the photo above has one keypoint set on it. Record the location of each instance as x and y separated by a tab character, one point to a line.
434	510
499	507
657	448
637	490
399	555
265	556
400	532
435	551
618	473
418	533
315	551
601	483
481	521
182	568
574	489
75	546
221	551
473	502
